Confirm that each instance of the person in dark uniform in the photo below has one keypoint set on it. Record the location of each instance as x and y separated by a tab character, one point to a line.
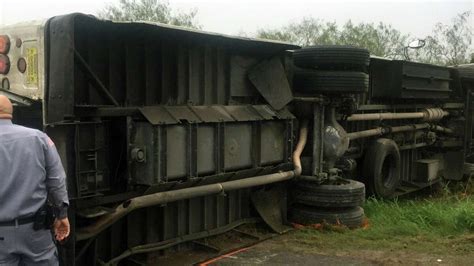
30	173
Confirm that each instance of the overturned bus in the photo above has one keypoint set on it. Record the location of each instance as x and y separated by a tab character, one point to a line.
170	135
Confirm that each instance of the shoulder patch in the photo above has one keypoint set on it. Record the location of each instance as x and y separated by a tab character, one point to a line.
50	142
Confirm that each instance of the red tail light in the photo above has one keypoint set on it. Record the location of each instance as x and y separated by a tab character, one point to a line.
4	44
4	64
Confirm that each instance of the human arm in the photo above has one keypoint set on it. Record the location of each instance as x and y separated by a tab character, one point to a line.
57	189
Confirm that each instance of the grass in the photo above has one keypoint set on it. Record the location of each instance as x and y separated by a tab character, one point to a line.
437	224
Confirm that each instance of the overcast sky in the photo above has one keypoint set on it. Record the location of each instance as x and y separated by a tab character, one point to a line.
235	16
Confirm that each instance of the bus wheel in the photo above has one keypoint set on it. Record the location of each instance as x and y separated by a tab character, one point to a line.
332	57
344	193
313	81
308	215
382	168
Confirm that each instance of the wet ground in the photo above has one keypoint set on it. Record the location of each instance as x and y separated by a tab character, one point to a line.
238	248
269	253
282	250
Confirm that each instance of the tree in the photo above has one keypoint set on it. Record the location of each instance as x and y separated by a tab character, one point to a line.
448	44
307	32
380	39
149	10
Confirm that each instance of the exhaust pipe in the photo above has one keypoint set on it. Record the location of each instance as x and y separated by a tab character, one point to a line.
429	114
169	196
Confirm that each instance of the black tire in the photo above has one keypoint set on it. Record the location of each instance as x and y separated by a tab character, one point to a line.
305	215
311	81
350	194
382	166
332	58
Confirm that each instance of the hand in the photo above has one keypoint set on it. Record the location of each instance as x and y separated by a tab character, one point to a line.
61	229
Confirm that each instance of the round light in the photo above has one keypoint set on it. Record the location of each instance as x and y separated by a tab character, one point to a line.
5	84
4	64
21	64
4	44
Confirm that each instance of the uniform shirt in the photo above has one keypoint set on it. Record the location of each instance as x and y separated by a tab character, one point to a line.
30	170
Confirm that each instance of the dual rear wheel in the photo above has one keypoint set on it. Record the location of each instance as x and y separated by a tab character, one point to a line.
338	203
331	69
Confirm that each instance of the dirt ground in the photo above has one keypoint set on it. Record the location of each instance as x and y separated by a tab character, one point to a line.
288	250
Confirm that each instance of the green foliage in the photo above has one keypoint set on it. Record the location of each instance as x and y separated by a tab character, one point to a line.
380	39
441	217
435	225
149	10
307	32
449	44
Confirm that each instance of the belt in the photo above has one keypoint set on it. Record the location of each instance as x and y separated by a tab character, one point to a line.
20	221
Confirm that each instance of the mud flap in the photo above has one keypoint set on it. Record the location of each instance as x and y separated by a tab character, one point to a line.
269	77
271	206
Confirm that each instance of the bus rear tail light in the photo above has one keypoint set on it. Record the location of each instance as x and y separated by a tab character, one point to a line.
4	44
4	64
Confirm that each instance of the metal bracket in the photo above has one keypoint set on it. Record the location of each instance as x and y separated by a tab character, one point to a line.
98	84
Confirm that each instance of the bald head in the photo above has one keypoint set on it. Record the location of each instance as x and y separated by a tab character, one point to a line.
6	108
